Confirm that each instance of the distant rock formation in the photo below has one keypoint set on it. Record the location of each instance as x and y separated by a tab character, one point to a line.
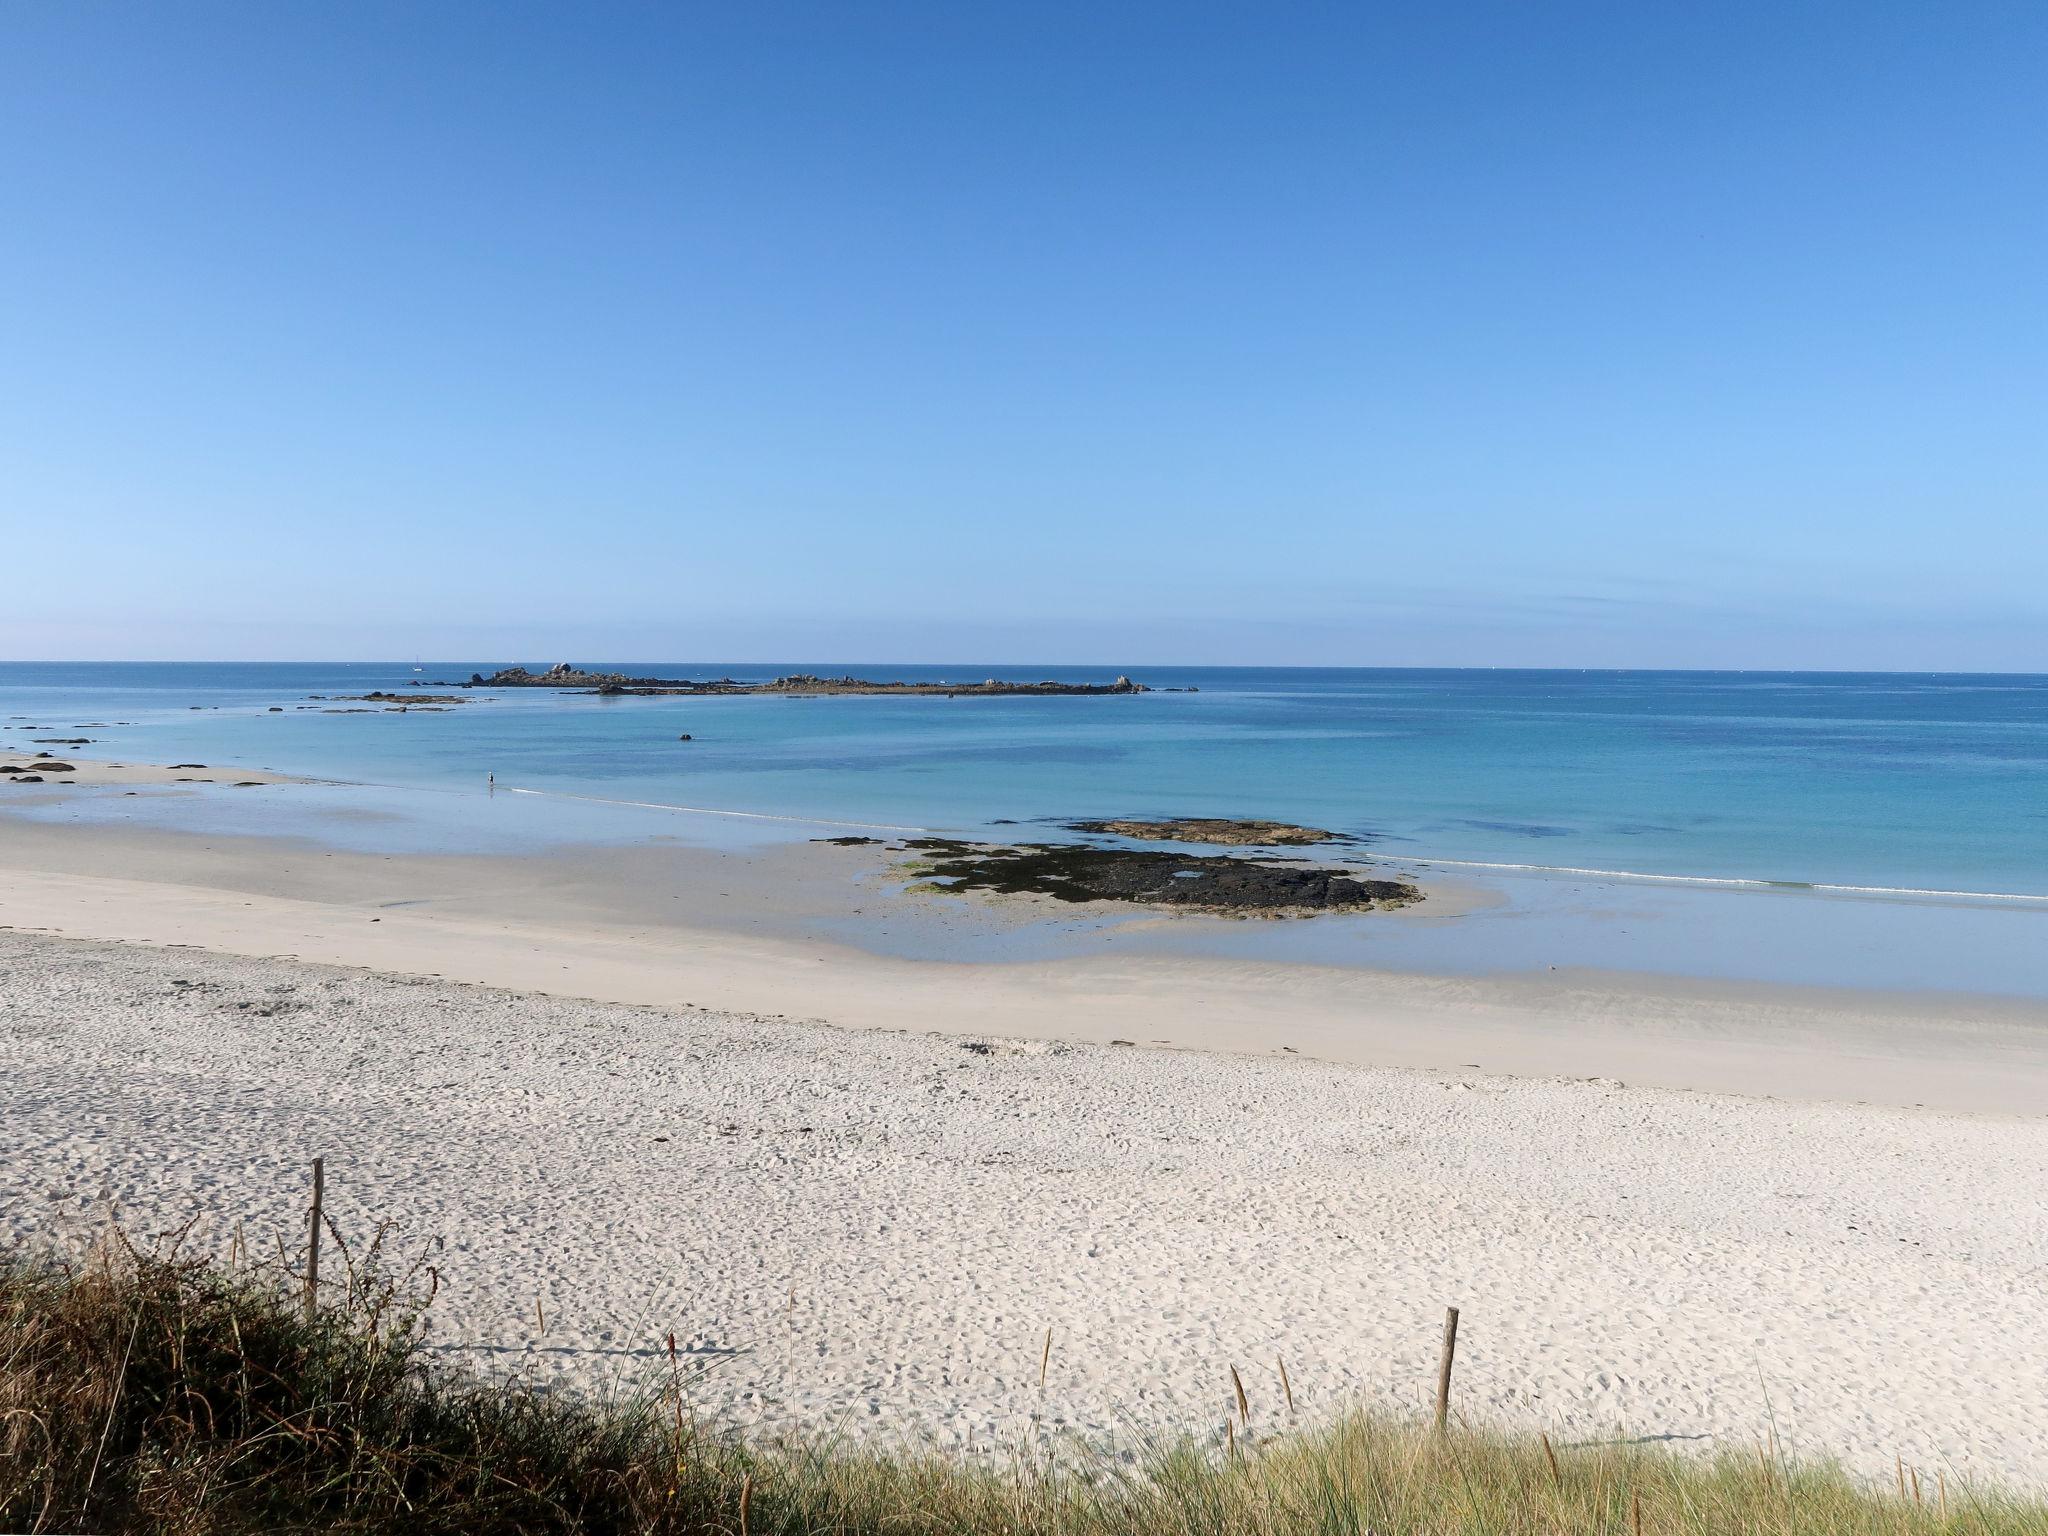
799	684
403	700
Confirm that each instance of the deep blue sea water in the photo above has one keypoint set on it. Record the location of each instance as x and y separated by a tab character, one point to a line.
1884	780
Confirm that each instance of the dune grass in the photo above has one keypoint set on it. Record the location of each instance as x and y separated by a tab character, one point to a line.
145	1392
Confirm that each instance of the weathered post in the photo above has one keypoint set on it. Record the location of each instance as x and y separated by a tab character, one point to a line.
1443	1372
313	1241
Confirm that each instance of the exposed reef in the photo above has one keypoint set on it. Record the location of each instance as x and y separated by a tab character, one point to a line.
1215	883
1212	829
796	685
401	701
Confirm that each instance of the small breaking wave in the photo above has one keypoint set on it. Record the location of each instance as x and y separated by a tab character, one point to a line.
1737	882
704	810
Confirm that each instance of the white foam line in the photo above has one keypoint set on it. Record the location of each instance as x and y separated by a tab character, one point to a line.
705	810
1728	880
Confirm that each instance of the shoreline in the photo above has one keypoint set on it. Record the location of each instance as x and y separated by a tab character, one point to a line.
754	931
99	773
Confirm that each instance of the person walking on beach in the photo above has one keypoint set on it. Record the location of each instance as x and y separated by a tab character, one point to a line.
491	782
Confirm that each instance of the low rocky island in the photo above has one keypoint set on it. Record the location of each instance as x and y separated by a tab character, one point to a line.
1224	884
398	700
796	685
1229	832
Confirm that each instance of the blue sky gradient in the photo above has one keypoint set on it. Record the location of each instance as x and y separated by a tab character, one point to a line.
1599	335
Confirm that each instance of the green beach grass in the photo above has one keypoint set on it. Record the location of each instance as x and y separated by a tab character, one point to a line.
145	1392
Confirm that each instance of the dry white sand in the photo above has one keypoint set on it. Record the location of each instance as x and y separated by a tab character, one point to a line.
1629	1260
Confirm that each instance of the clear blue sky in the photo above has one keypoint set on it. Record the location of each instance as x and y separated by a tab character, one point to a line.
1510	334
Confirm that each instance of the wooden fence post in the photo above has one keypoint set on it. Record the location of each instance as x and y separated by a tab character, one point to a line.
1443	1372
313	1242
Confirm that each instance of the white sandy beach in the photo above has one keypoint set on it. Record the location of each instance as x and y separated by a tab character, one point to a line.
1628	1260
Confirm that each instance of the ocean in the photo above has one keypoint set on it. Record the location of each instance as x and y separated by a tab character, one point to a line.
1893	782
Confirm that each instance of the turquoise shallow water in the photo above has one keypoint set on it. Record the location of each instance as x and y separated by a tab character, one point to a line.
1881	780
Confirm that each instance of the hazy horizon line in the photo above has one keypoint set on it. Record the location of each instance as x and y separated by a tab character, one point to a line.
1102	666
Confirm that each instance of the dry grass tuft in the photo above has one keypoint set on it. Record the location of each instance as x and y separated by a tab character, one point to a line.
146	1392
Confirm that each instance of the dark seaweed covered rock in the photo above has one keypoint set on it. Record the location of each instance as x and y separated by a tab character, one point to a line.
1196	882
